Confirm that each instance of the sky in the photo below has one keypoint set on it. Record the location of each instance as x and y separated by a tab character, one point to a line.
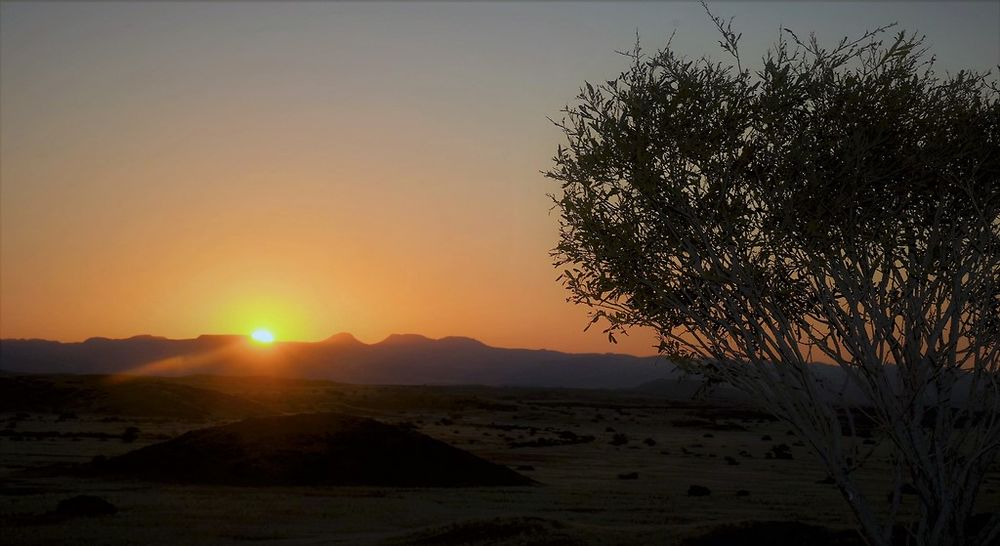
182	168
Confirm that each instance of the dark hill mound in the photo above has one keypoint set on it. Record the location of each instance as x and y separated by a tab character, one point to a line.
311	449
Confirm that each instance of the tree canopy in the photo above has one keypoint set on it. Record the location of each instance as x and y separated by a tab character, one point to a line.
837	204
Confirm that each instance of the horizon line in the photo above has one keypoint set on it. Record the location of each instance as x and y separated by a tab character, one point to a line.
326	339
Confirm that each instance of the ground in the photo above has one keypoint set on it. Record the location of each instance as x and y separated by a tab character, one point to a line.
611	489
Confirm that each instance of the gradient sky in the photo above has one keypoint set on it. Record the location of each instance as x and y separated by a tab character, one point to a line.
184	168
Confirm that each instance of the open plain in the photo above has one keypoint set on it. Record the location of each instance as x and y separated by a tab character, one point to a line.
612	467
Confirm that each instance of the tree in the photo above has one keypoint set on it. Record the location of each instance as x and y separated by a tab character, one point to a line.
837	204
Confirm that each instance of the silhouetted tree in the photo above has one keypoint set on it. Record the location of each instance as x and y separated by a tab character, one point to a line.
837	202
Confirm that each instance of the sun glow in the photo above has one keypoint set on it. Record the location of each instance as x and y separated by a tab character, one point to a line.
261	335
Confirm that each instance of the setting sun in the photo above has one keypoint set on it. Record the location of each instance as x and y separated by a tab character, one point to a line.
261	335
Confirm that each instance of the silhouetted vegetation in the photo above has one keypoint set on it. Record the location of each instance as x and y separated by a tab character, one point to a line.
838	201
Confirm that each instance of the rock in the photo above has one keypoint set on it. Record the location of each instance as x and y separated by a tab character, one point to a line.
698	491
629	476
619	439
781	451
130	435
742	493
85	505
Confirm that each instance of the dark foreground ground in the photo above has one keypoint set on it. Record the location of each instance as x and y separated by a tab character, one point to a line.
612	467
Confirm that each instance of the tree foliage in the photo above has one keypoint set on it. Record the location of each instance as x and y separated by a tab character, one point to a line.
838	204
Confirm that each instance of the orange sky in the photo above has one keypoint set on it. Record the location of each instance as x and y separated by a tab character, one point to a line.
184	168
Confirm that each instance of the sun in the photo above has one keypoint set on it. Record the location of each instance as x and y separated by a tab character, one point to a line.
260	335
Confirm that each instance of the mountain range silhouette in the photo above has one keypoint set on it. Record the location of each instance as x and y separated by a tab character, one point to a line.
403	359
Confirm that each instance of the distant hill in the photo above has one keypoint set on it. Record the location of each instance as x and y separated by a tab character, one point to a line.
147	397
833	384
399	359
